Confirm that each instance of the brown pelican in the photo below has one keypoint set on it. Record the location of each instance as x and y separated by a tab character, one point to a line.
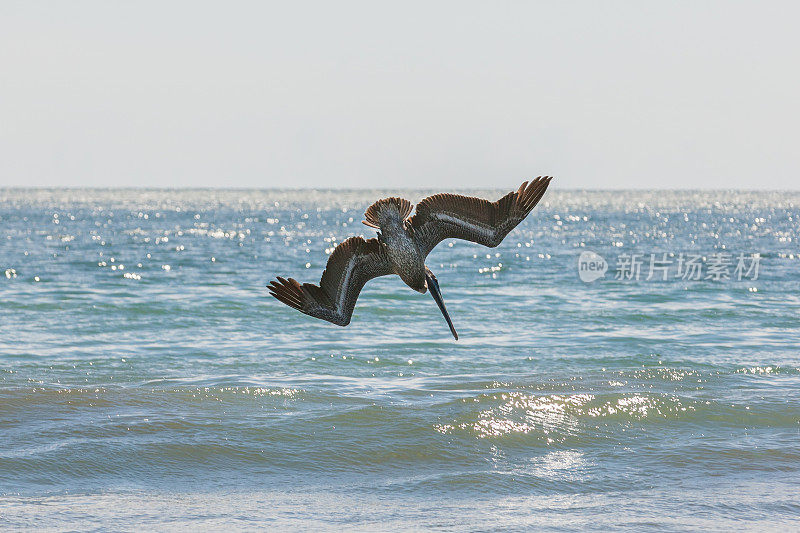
402	245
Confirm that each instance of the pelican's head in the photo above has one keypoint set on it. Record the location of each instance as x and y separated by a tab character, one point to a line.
433	285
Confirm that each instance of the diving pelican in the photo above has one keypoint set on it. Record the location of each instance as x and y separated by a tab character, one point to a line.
402	245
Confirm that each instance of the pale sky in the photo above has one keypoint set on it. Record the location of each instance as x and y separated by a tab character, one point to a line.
636	94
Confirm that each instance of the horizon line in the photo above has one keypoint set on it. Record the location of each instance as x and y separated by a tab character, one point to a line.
349	189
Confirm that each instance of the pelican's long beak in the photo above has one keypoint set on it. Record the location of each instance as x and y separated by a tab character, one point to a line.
433	286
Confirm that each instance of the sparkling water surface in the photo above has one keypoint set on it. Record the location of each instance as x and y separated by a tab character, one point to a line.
147	377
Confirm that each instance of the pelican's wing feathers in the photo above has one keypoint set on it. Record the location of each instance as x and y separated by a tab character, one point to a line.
451	216
351	265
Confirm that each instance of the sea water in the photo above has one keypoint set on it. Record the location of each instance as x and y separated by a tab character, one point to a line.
147	378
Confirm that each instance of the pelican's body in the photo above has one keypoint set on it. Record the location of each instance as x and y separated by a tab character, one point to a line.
402	245
407	260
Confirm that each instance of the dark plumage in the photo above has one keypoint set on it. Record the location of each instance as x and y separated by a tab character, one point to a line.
351	265
402	245
451	216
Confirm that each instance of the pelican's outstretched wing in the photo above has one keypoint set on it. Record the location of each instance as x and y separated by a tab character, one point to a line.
351	265
450	216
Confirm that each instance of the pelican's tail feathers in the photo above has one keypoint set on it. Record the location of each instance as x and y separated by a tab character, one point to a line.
387	211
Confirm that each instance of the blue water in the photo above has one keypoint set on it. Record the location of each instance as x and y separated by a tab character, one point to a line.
147	377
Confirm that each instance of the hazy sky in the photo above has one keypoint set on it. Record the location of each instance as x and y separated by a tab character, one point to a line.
400	94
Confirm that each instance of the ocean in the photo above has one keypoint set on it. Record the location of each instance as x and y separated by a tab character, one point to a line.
628	360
